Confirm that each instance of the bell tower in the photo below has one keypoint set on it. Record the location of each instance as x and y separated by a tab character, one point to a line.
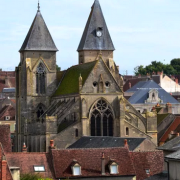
95	38
36	81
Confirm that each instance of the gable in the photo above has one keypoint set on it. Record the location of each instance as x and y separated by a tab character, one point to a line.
70	81
103	78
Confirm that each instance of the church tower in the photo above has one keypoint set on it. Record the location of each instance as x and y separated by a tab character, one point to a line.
95	38
36	81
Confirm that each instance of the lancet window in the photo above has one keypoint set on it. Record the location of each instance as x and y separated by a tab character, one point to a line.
40	79
101	119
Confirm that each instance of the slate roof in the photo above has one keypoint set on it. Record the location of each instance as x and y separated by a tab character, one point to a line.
174	155
106	142
38	37
136	86
90	161
171	145
142	94
89	40
70	81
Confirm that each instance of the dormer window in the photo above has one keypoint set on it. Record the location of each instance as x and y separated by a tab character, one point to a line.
113	167
39	168
147	171
76	168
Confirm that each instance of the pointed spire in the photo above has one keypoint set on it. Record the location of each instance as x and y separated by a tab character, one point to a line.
96	35
38	6
38	37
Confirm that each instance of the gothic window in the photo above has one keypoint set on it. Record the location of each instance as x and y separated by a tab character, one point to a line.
39	111
40	79
101	120
127	131
76	132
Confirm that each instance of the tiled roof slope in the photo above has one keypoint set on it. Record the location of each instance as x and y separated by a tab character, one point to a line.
171	127
106	142
136	86
142	94
89	40
90	161
26	162
70	81
38	37
152	160
171	145
7	110
8	173
5	138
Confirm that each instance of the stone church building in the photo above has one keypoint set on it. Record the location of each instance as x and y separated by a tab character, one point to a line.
84	100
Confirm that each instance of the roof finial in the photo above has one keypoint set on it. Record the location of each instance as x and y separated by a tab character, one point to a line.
38	6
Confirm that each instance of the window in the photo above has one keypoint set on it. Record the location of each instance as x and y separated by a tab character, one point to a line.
76	131
76	169
39	168
107	84
95	84
7	118
147	171
113	168
40	79
127	131
101	120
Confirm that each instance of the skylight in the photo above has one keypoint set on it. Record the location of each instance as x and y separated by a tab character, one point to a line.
39	168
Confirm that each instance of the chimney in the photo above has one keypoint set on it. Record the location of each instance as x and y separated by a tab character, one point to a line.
176	80
103	165
4	168
169	107
24	149
126	144
129	85
52	144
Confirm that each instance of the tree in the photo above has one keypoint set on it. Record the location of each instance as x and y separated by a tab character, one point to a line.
58	68
175	63
157	66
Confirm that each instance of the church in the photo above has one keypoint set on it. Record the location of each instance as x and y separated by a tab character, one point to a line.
84	100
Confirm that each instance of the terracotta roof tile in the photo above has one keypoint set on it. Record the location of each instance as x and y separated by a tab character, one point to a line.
90	161
5	138
7	110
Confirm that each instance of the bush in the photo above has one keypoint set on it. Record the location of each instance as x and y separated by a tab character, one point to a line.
30	177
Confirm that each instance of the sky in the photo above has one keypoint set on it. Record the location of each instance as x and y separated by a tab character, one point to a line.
142	30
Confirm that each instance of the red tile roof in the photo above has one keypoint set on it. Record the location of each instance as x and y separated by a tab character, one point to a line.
172	127
152	160
5	138
90	161
26	162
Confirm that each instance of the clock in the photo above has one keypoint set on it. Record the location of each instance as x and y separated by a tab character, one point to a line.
98	33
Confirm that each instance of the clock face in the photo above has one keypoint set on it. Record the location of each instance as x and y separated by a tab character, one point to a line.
99	33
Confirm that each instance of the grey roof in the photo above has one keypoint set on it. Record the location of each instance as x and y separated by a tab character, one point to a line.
161	176
106	142
38	37
174	155
89	40
136	86
142	94
7	90
171	145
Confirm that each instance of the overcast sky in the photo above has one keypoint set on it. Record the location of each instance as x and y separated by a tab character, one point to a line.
141	30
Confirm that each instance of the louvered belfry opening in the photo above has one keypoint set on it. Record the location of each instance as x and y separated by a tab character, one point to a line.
40	79
101	119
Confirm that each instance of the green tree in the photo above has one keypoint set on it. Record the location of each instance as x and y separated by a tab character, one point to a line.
175	63
155	67
58	68
30	177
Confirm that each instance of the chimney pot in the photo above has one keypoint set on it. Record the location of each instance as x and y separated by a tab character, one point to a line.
103	164
126	144
24	149
52	144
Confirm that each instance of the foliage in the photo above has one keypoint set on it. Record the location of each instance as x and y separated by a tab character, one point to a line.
58	68
30	176
157	66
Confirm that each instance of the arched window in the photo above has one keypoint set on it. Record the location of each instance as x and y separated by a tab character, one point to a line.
39	111
40	79
101	120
